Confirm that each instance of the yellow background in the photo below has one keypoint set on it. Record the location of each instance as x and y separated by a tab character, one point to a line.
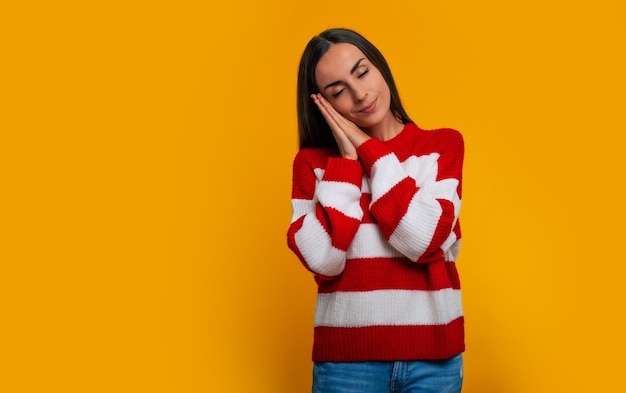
146	155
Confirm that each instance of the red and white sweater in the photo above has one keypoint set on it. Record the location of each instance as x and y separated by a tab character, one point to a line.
381	236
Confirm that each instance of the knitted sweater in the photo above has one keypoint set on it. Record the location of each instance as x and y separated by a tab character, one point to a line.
381	236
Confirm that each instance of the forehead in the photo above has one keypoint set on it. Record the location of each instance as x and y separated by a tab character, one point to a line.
337	62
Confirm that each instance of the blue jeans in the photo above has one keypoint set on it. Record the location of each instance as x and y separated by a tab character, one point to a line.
440	376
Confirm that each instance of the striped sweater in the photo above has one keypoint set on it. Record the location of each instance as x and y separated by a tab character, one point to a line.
381	236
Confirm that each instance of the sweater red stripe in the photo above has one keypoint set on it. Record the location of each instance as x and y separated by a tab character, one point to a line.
341	239
393	205
341	170
366	199
295	227
389	342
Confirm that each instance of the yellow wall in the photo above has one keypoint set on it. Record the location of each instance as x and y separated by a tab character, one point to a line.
146	159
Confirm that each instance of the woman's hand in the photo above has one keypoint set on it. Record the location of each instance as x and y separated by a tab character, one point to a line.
347	134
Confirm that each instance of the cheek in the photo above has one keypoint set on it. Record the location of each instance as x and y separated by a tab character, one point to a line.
342	107
383	88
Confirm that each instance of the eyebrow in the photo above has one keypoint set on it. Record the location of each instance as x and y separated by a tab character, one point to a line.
354	67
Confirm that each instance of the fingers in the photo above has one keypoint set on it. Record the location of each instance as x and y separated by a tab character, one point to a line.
333	118
338	123
329	114
326	111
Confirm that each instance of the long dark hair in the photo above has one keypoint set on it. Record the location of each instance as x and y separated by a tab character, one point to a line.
312	128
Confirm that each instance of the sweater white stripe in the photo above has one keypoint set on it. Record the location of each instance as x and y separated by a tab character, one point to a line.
388	308
342	196
369	242
451	254
423	169
321	256
415	230
388	172
300	207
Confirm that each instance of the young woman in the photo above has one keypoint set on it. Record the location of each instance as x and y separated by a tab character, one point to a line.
375	204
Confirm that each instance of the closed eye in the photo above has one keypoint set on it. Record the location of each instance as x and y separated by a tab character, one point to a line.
335	95
363	73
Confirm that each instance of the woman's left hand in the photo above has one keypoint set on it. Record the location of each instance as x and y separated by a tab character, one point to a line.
338	123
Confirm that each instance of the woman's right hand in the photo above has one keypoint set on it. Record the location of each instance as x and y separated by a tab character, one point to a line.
337	124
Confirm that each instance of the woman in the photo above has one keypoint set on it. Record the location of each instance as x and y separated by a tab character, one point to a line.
375	204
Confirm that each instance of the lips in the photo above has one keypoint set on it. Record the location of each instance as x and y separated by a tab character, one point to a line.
369	108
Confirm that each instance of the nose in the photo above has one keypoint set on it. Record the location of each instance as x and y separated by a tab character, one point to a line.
359	94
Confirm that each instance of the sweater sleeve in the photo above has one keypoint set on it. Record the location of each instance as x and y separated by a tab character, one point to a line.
417	202
326	211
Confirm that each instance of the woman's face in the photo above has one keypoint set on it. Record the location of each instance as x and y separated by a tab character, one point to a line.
353	86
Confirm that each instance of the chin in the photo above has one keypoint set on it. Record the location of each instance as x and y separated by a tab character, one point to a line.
370	123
